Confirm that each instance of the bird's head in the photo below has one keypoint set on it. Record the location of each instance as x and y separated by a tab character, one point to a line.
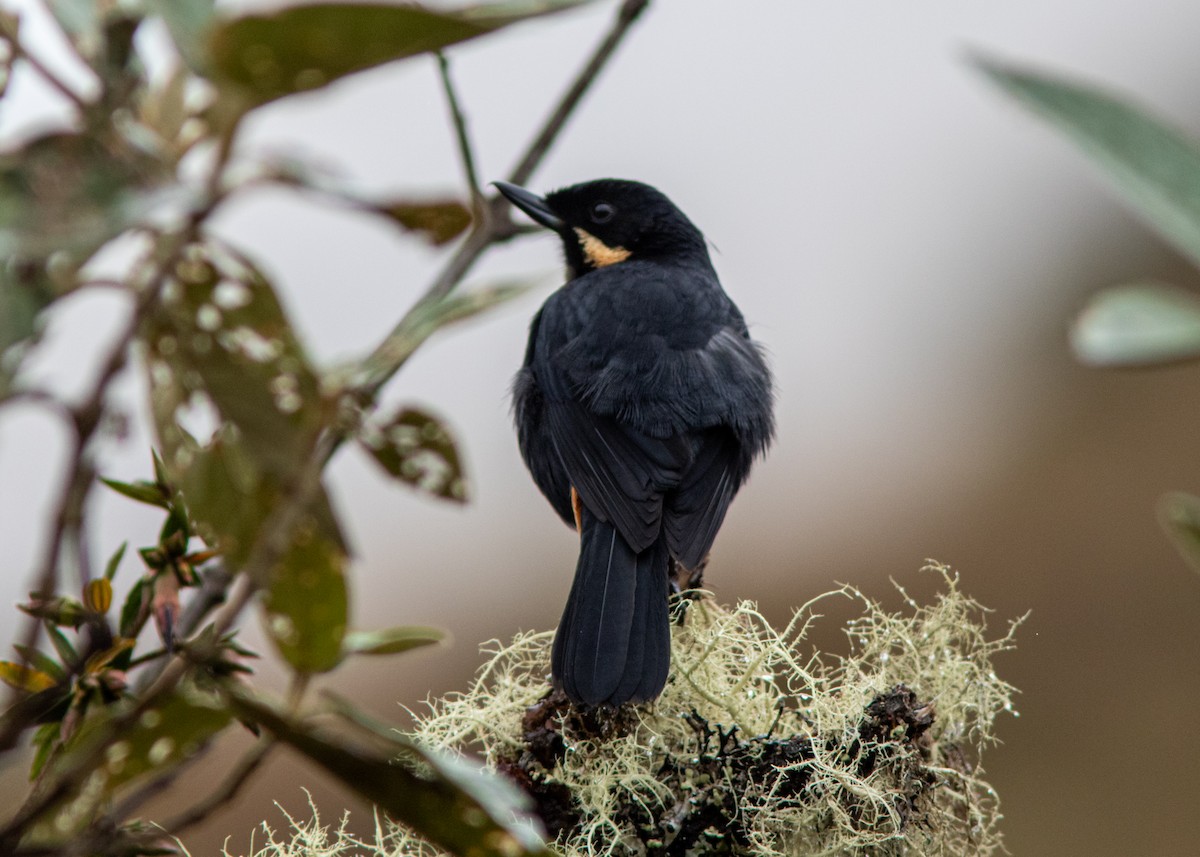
607	221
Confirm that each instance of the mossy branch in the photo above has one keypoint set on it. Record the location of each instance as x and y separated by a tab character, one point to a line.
765	749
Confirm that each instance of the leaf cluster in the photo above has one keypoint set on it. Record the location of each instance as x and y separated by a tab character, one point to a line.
245	418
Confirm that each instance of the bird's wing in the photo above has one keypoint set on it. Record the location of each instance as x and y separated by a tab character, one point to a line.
694	511
537	446
621	474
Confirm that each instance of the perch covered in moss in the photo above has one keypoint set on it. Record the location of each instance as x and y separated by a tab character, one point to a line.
758	746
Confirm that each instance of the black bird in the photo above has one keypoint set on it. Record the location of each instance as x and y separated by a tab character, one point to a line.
640	407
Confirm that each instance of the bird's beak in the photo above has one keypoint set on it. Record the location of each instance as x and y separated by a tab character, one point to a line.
532	204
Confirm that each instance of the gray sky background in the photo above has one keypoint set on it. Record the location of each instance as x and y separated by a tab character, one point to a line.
908	244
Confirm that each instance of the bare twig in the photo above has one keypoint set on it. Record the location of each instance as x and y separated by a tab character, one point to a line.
228	790
465	151
496	225
34	396
628	13
60	85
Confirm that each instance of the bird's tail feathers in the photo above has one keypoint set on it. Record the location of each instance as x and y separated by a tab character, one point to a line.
614	641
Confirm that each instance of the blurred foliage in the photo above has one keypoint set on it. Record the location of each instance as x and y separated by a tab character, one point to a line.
115	714
1156	169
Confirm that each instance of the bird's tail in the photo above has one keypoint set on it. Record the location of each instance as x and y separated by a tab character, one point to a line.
614	642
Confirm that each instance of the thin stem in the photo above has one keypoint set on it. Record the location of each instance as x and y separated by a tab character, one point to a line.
228	790
20	53
45	398
626	16
496	225
465	150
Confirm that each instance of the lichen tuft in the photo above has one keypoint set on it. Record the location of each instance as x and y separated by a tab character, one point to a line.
758	746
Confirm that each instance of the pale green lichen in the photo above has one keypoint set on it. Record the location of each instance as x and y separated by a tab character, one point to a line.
808	770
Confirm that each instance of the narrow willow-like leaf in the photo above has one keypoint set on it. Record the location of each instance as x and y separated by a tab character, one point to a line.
66	651
1140	324
114	561
391	641
132	609
1155	167
44	741
142	492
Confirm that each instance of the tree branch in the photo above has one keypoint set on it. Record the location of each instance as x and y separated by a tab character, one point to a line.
626	16
56	82
465	151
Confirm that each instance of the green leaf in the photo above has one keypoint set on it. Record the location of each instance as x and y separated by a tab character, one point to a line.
114	561
44	740
66	652
21	302
61	197
229	498
437	221
131	611
306	47
79	19
27	678
42	661
1138	325
390	641
176	529
222	332
169	401
1155	167
166	734
58	610
189	23
306	604
67	194
169	731
141	491
451	804
1179	514
164	109
416	448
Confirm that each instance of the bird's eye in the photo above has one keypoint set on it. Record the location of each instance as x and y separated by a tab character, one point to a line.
602	212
